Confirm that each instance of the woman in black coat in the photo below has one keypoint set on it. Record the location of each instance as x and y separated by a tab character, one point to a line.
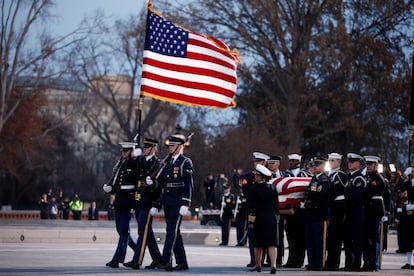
263	217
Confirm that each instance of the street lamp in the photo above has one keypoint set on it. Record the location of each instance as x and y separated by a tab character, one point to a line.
411	128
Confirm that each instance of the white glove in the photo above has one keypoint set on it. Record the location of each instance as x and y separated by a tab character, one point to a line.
238	201
149	181
384	219
183	210
153	211
302	205
136	152
223	204
107	188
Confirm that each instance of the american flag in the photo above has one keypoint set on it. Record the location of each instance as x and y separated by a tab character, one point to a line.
291	190
184	67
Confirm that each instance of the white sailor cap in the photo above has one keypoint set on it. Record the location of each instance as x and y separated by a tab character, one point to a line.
260	169
354	156
295	156
372	159
260	156
128	145
334	155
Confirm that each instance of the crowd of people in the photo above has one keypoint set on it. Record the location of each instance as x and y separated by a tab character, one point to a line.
58	206
348	207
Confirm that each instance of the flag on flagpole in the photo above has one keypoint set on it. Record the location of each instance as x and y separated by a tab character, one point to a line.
184	67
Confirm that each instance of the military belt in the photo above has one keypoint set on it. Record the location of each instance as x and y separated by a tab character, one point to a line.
127	187
174	185
377	197
340	197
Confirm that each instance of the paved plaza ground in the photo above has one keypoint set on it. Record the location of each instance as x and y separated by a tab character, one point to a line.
83	247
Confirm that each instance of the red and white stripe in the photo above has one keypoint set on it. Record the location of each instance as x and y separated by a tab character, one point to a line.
291	190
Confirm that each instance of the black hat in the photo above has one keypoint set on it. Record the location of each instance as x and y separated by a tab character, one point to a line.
175	139
316	161
274	158
148	142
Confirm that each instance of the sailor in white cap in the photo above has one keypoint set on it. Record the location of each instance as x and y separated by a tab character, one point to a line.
248	181
123	185
264	208
374	212
294	227
337	211
354	197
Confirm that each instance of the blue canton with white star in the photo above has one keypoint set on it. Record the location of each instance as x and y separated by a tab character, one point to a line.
163	37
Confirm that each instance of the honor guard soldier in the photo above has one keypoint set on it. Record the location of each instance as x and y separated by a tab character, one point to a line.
294	223
147	203
354	221
316	214
176	179
247	184
274	164
241	218
228	203
406	224
262	217
374	212
336	224
123	184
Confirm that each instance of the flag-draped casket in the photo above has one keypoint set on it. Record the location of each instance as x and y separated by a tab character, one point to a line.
291	190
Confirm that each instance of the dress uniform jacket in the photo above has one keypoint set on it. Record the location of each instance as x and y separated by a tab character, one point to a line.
264	208
229	202
248	180
354	222
240	219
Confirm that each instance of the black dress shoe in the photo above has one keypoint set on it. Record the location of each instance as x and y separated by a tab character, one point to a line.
257	268
407	266
265	265
223	244
132	265
153	265
250	265
113	264
181	267
167	267
273	270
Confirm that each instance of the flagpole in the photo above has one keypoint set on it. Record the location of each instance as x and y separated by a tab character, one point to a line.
411	128
140	104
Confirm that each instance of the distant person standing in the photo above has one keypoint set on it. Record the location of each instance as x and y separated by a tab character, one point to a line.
228	204
64	208
93	212
241	218
209	185
76	207
111	207
53	208
44	207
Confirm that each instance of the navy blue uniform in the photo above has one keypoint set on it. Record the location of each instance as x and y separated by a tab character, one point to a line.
336	224
247	189
406	224
354	222
374	211
146	197
315	219
295	231
176	179
226	217
124	184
